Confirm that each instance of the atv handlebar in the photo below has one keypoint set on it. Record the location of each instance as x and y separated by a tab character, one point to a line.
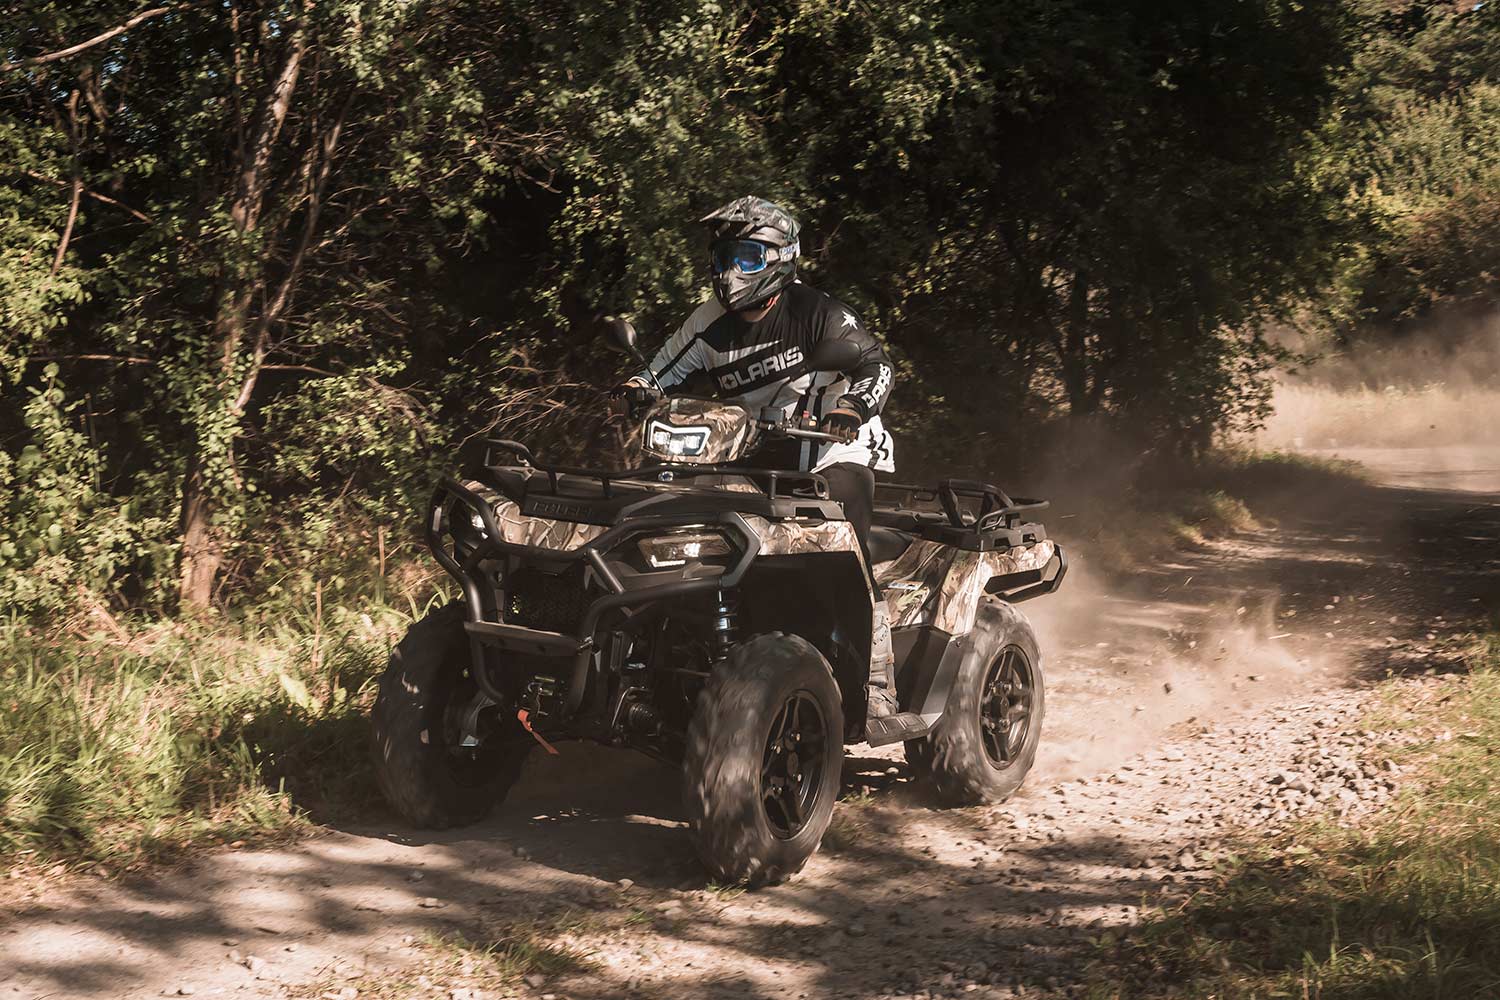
774	421
797	432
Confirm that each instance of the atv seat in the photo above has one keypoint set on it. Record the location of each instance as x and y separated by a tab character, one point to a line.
887	543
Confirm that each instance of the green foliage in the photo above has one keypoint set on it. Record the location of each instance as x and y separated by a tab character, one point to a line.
1416	148
120	742
60	532
290	258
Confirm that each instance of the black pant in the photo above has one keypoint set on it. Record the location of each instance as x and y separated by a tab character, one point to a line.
854	487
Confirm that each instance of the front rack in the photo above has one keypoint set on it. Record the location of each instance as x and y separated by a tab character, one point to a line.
777	483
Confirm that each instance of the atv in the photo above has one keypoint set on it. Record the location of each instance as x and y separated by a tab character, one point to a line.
722	618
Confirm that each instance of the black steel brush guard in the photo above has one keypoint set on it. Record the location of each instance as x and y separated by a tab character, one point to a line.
579	643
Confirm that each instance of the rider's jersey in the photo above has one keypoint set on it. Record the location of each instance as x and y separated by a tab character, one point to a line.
760	365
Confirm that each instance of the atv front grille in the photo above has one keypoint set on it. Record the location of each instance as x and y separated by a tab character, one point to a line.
534	599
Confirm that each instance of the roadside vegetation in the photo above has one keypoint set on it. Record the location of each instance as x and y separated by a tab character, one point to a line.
1405	905
266	266
1230	489
124	742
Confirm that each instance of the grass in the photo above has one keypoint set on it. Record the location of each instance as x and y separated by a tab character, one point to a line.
1407	905
122	743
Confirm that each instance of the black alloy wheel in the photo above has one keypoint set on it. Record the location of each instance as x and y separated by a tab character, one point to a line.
792	773
983	746
763	759
1005	707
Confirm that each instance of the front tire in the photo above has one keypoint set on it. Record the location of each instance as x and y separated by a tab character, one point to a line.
426	776
764	759
982	748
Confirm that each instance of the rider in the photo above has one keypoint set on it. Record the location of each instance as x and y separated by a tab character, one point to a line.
751	338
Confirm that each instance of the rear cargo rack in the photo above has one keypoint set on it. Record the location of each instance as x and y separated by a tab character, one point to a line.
961	512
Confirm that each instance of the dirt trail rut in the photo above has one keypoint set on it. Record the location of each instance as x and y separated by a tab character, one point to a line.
1215	693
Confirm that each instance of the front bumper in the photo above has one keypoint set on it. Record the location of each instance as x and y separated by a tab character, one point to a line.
483	614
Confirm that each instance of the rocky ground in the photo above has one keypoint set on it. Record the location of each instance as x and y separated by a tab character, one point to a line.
1208	700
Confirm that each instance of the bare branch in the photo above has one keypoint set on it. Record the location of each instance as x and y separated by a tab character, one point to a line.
323	149
90	193
247	207
114	32
122	358
67	234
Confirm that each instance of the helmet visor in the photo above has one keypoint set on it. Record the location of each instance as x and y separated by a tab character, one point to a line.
744	256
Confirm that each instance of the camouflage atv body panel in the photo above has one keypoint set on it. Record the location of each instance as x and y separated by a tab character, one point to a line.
728	429
938	585
542	532
786	538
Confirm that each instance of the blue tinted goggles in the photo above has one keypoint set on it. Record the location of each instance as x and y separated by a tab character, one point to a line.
748	256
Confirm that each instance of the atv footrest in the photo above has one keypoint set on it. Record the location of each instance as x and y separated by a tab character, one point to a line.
890	728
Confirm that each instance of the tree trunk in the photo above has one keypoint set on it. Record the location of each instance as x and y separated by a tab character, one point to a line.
1074	350
202	546
202	553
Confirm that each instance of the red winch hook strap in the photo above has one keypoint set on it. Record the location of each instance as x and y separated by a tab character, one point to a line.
525	719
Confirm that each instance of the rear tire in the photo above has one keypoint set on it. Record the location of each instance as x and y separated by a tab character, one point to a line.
764	760
431	781
982	748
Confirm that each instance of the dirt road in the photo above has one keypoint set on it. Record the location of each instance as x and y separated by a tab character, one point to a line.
1178	706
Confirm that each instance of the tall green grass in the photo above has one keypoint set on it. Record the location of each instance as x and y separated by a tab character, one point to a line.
1406	906
139	740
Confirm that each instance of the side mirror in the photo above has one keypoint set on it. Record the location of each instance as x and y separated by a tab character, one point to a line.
830	355
620	334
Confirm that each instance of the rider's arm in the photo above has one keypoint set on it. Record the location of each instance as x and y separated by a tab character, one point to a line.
871	379
682	354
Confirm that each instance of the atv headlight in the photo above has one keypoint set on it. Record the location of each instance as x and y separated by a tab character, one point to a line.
671	440
666	551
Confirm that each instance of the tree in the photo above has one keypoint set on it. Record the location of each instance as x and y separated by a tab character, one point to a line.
275	172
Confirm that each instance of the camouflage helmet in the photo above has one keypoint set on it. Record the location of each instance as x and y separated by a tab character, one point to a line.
746	284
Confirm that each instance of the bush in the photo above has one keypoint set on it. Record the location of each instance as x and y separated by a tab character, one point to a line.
60	533
132	744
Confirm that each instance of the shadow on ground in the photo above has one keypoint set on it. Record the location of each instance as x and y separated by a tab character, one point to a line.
892	910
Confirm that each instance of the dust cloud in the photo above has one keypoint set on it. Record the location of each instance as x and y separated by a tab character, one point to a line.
1128	663
1283	607
1436	387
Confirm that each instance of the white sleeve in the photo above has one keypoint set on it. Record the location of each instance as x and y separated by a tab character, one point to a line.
683	354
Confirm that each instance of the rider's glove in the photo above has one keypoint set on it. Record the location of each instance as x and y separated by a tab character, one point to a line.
636	397
841	423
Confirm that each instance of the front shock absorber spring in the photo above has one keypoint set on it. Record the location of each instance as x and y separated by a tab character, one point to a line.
726	623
